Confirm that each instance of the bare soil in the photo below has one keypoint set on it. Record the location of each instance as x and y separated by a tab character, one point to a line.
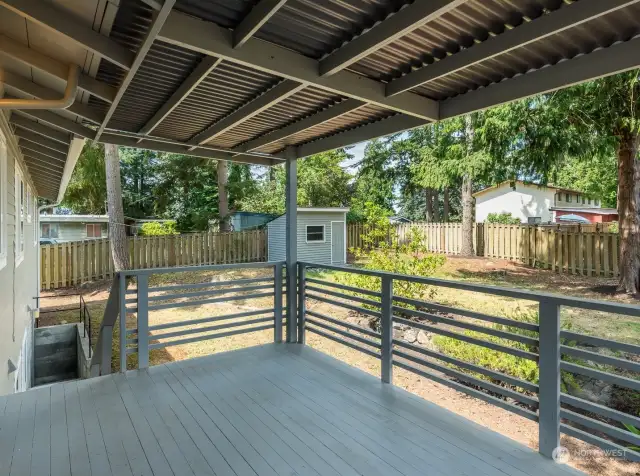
495	272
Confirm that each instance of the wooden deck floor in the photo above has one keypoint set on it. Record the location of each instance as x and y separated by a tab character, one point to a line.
268	410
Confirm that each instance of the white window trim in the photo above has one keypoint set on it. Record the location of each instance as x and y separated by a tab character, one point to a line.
312	242
4	182
19	217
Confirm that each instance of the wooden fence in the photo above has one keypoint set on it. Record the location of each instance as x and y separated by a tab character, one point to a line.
587	250
76	262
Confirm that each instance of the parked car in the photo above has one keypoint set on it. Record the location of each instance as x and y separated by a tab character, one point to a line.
48	241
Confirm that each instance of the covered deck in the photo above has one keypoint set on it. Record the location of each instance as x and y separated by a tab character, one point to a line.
282	409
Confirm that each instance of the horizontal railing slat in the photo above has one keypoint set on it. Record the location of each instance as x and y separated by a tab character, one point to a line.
200	330
210	284
605	428
210	319
343	342
367	302
603	359
160	345
466	325
343	304
344	287
612	448
600	409
469	366
600	342
349	335
469	391
600	375
471	340
361	329
212	292
207	301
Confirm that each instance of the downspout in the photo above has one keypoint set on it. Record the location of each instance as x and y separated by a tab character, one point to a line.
65	102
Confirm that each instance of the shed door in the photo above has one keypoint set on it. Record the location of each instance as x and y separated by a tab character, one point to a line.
338	245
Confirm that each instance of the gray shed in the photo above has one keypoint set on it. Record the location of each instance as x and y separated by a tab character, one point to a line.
322	236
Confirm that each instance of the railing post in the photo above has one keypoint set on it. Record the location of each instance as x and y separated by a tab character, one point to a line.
302	276
277	303
143	321
122	304
386	329
549	385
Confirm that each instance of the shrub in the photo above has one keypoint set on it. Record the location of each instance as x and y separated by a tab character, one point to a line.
158	228
503	218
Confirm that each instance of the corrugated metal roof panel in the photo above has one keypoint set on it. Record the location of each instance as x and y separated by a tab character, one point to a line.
364	115
302	104
227	87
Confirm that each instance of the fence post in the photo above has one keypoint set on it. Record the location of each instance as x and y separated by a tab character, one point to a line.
549	385
277	303
302	309
143	321
386	329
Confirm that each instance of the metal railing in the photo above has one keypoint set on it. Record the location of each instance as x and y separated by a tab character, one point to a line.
141	338
552	349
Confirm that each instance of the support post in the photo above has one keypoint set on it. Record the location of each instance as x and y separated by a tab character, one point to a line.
549	363
143	321
122	285
277	303
302	309
386	329
291	242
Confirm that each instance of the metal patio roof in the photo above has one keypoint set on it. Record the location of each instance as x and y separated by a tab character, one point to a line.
255	80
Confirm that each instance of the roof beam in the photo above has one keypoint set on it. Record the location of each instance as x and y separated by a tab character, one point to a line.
383	127
40	140
150	37
33	58
213	40
43	163
178	149
32	89
25	144
603	62
565	17
47	15
41	129
59	121
41	157
314	120
395	26
258	16
274	95
201	71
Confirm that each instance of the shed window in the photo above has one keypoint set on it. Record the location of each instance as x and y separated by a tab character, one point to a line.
94	230
315	233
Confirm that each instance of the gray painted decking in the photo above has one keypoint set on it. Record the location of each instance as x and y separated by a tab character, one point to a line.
267	410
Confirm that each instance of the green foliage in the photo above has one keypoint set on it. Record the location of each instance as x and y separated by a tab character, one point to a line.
138	171
158	228
502	218
87	190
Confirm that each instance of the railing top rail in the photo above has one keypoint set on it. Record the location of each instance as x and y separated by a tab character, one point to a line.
213	267
616	308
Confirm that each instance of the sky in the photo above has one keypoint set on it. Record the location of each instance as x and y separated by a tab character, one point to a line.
358	152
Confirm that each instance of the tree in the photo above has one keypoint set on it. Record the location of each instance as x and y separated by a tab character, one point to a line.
117	232
87	190
138	170
223	197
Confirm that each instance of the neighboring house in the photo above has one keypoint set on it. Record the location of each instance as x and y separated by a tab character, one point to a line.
593	215
398	220
74	227
322	236
530	203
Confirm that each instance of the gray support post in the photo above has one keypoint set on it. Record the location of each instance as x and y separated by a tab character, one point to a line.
302	308
122	283
143	321
549	362
105	350
277	303
386	329
291	241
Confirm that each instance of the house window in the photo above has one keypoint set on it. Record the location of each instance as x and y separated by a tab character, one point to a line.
534	220
596	203
589	201
49	230
3	201
567	197
94	230
583	200
315	233
20	216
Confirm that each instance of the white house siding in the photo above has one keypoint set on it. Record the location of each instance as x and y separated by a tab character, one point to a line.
524	202
18	286
312	252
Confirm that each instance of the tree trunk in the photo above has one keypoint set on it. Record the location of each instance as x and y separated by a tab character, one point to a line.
435	205
223	199
628	211
466	248
428	211
445	205
117	231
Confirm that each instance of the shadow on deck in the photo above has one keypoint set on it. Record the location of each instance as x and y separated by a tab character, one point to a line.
278	409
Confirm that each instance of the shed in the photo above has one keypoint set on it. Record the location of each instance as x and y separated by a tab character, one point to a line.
74	227
322	236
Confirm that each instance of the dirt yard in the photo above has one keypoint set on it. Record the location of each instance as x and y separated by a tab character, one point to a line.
494	272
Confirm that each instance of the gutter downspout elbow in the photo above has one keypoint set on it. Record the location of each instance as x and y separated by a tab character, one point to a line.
65	102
